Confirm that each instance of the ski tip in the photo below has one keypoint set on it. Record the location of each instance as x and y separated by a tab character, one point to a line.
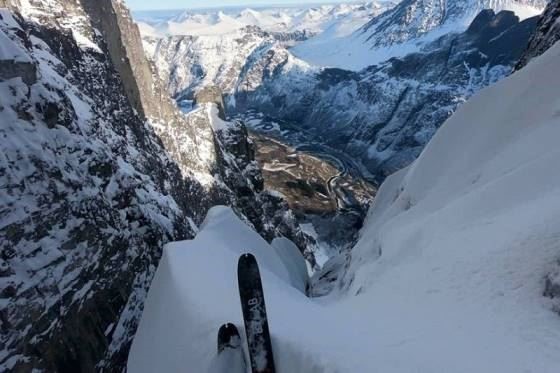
228	337
247	257
246	260
228	326
247	270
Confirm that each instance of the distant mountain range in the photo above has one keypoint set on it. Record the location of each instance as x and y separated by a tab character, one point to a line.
403	29
418	67
311	19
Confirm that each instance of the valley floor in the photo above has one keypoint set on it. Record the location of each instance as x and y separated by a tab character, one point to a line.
327	189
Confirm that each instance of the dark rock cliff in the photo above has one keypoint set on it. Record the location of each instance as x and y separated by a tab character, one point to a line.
98	170
548	33
211	94
86	205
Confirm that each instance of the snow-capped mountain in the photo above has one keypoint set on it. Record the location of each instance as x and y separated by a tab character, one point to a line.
385	114
448	276
346	18
414	18
188	63
98	170
404	29
197	48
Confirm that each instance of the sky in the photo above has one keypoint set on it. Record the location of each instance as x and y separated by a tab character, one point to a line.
182	4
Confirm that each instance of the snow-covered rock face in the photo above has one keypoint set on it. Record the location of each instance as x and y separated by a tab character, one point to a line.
548	33
98	170
414	18
89	194
189	63
386	113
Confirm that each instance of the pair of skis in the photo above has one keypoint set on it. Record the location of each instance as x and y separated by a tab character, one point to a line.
254	316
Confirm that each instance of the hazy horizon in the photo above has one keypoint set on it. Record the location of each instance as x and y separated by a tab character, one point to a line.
165	5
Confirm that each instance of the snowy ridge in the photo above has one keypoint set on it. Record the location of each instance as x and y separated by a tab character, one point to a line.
196	49
188	63
449	271
405	29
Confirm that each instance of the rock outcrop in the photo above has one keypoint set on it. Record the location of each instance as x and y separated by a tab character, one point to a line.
10	69
552	285
211	94
548	33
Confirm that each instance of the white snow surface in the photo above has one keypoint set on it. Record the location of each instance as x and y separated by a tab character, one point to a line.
447	276
291	257
189	301
11	51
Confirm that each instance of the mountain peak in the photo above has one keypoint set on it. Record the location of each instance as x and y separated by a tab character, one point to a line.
412	19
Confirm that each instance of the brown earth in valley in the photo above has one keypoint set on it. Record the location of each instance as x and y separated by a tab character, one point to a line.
310	184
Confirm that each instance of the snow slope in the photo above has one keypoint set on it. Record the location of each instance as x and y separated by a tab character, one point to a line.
466	236
197	299
448	274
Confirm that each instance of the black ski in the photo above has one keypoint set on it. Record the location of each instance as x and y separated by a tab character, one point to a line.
228	337
254	315
230	357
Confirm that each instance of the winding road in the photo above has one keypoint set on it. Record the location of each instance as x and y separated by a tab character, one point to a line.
306	142
347	167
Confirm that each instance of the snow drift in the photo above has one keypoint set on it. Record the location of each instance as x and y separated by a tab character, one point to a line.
448	274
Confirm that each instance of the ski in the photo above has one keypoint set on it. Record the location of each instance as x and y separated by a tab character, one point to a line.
228	337
254	315
230	357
